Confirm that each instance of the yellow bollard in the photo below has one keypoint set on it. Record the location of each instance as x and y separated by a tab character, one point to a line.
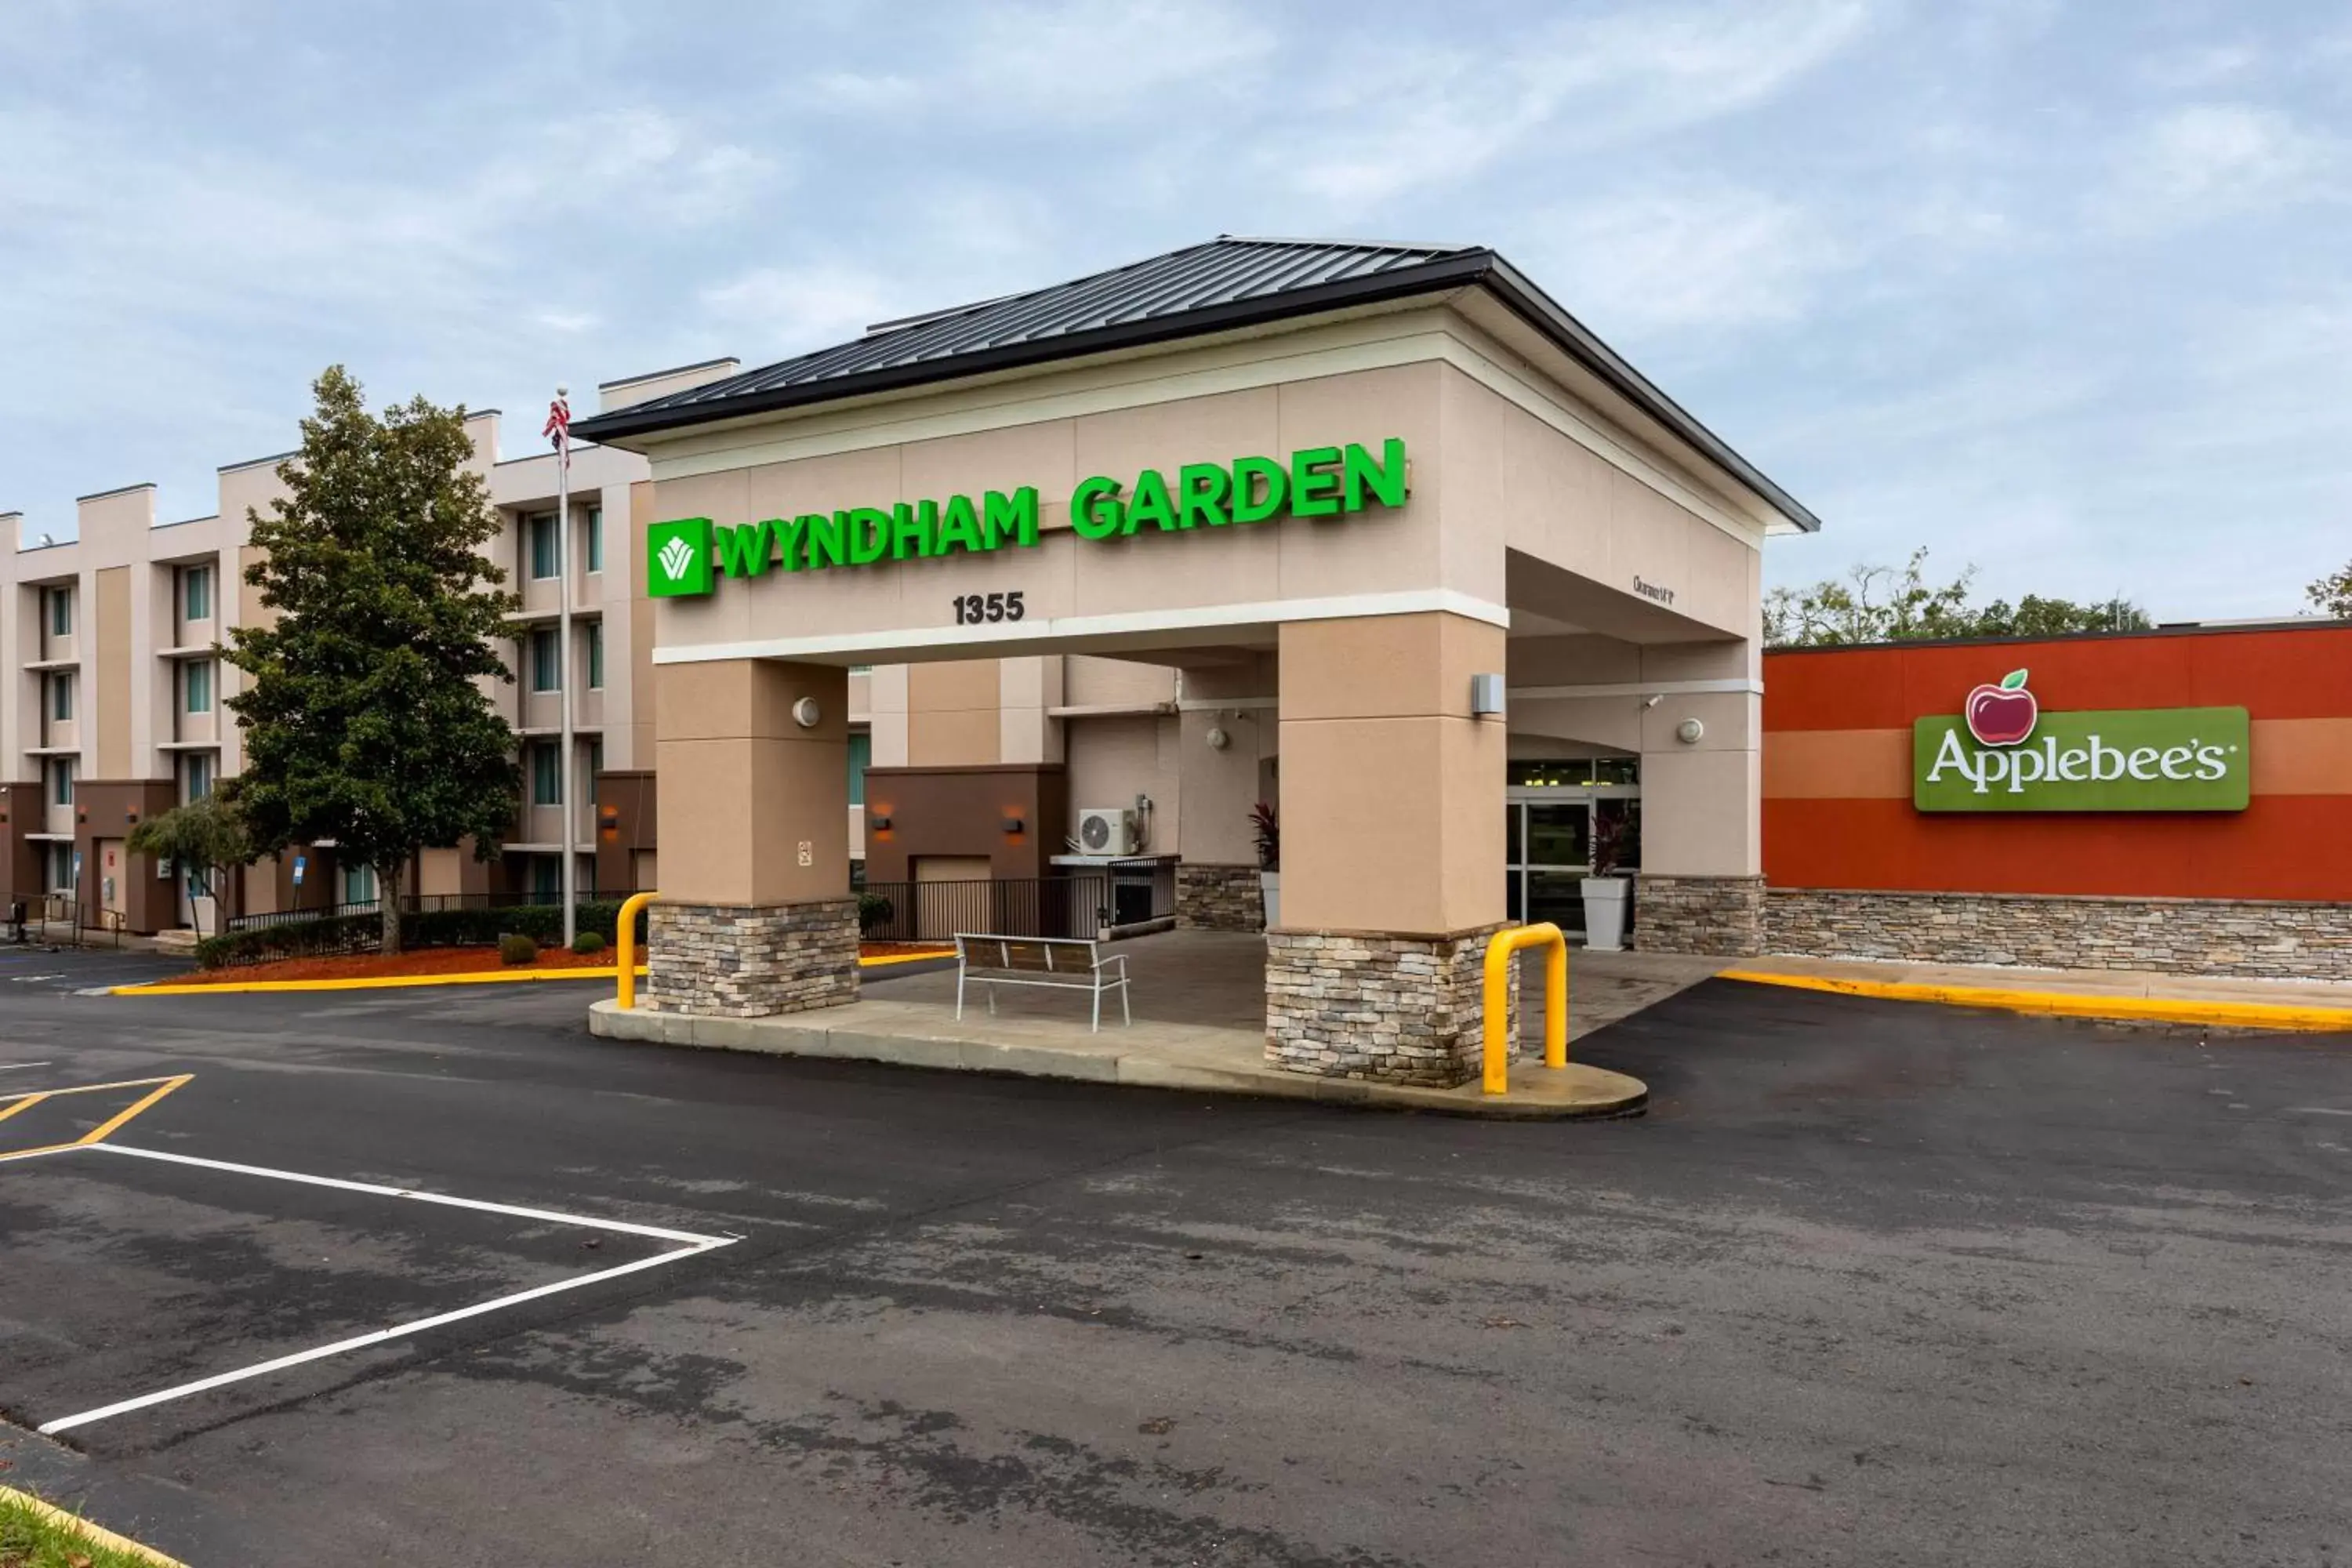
1496	1078
624	945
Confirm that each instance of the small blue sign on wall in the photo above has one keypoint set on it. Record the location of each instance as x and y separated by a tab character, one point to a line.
301	864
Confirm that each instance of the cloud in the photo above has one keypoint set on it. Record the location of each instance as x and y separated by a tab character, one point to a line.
1653	262
1395	118
2213	160
805	307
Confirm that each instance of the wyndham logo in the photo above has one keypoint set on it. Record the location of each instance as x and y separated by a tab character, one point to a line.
678	558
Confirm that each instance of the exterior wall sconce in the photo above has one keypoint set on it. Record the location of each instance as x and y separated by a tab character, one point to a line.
1014	825
1689	731
1485	695
1218	740
805	713
879	824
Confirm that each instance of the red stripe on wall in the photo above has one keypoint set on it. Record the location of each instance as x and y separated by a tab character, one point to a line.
2299	673
2280	847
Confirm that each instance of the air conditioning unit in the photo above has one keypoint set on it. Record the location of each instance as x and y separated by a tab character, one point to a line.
1106	830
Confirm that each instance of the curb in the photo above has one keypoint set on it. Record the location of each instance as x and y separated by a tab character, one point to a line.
95	1534
2070	1003
468	978
1628	1096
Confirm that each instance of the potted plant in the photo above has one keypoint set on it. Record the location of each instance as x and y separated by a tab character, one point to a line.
1268	829
1605	891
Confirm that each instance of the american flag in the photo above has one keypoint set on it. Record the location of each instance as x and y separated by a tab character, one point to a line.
557	429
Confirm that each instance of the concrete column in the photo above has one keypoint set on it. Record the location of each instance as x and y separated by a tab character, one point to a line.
1701	888
1392	847
755	916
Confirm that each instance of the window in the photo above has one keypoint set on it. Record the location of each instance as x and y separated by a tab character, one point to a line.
547	876
596	656
200	687
196	775
359	884
546	660
595	539
196	593
62	866
62	695
546	776
60	612
61	781
596	764
861	757
546	545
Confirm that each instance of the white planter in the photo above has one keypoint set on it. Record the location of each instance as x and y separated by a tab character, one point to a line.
1604	913
1269	885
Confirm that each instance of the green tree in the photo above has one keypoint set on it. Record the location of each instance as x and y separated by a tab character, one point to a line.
207	838
1888	604
367	719
2333	595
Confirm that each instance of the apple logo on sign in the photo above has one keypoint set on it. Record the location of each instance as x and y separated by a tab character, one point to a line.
2005	714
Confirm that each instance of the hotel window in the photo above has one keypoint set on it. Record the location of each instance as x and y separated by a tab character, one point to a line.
60	612
62	695
596	656
61	868
61	781
196	775
196	593
200	687
547	876
595	539
546	776
546	545
359	884
861	757
546	660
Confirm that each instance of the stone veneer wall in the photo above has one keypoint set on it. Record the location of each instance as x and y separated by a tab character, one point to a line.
1218	898
2252	938
732	961
1699	914
1401	1009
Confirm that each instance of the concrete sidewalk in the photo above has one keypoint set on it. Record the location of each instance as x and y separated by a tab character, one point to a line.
2143	995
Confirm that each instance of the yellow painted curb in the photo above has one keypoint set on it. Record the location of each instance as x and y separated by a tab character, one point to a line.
470	977
96	1534
2069	1003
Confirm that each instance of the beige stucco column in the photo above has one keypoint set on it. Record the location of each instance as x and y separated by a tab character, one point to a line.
1701	888
755	915
1392	847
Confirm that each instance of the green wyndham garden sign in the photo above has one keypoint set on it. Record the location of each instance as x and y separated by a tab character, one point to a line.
2003	753
687	555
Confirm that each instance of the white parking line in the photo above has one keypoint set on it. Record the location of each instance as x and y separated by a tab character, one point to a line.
20	1067
696	1245
2320	1110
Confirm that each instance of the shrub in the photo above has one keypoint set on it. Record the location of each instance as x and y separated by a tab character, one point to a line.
873	910
516	947
433	927
586	942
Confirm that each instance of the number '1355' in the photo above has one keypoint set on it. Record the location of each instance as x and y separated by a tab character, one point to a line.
971	609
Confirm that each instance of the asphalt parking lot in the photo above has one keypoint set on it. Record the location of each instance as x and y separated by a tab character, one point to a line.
1873	1283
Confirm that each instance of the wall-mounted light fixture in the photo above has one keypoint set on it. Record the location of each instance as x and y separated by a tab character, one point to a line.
1218	740
1485	695
1689	731
878	821
1013	825
805	713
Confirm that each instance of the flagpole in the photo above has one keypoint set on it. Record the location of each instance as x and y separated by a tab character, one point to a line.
563	640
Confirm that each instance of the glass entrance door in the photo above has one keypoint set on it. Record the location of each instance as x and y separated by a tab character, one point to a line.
1550	850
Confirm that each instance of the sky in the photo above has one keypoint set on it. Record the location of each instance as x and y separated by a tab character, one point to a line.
2060	291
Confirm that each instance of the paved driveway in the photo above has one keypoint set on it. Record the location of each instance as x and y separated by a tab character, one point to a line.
1872	1284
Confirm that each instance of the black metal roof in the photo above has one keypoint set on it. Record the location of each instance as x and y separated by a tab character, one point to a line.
1223	284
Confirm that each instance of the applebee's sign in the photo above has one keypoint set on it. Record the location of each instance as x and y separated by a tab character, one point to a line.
2001	752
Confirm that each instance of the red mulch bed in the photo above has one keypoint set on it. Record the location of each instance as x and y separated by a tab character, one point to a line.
445	960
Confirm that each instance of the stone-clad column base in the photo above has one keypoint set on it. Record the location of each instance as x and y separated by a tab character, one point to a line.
1715	915
1367	1005
1218	898
735	961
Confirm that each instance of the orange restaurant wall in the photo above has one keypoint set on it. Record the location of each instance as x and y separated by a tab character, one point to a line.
1837	804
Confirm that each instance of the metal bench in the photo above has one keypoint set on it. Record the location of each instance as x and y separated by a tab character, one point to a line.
1056	963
